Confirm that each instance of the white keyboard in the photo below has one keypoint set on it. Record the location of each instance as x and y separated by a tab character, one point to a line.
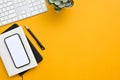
14	10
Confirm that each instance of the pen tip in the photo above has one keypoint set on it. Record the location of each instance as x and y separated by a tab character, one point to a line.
26	27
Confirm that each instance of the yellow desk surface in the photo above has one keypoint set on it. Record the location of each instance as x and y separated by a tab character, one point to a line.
82	43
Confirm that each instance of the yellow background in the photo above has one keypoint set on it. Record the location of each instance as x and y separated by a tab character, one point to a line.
82	42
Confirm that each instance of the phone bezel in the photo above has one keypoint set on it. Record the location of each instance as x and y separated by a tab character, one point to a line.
11	54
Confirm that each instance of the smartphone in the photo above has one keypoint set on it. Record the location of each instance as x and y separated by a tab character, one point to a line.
17	50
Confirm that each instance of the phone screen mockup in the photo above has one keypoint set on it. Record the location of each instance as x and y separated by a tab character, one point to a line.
17	50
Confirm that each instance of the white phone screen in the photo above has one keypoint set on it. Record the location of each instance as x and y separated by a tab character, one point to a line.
17	50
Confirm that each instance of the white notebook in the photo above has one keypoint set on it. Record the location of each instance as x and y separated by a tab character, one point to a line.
15	52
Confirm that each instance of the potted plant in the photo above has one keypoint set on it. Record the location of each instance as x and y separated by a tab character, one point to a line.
59	4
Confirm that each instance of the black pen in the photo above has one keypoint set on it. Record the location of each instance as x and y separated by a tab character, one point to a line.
38	42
